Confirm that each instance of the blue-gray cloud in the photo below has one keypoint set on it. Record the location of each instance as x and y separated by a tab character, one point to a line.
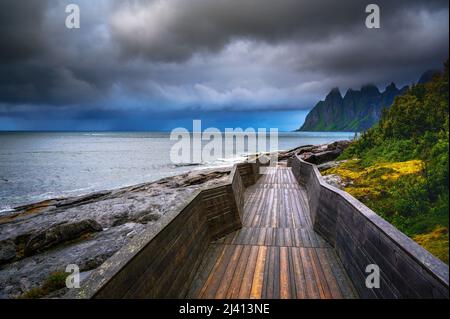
203	55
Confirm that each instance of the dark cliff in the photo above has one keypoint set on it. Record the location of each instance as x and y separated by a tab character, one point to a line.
354	112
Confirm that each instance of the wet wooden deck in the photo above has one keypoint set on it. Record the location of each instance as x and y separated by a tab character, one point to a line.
276	254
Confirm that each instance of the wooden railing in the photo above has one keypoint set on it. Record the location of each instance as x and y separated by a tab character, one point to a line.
361	237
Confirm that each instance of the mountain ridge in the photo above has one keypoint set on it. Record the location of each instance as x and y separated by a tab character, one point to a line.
356	110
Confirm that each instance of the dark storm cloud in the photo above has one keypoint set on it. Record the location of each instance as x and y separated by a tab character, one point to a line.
26	76
175	30
208	54
21	29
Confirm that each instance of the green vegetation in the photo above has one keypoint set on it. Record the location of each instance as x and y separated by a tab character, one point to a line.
56	281
399	168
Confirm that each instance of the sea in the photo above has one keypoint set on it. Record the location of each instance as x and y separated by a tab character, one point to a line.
36	166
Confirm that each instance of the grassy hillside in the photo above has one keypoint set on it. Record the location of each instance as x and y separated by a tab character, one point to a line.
399	168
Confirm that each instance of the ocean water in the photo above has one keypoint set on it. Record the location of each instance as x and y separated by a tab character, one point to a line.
38	166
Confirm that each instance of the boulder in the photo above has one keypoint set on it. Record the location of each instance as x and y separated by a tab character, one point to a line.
335	180
339	145
324	166
283	155
146	218
7	251
322	157
60	233
306	149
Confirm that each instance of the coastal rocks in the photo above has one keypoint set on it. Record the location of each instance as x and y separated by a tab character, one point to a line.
41	238
25	274
110	208
323	153
148	217
59	234
335	180
322	157
298	150
202	178
339	145
328	165
7	251
142	217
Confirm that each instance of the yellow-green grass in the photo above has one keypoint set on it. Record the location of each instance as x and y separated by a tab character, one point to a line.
378	187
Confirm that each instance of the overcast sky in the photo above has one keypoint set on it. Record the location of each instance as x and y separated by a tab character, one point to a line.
144	64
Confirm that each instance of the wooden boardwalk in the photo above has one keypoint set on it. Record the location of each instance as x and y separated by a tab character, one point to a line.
276	254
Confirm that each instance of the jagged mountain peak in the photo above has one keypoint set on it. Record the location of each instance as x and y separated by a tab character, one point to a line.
334	93
391	87
370	89
356	111
350	93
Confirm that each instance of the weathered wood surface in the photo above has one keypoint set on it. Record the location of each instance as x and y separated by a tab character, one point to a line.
276	254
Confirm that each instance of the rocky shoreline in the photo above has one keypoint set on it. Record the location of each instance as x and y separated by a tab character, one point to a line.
39	239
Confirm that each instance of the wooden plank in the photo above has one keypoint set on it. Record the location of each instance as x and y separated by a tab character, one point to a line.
311	285
269	236
284	274
287	237
262	236
235	285
276	273
246	239
287	210
259	273
342	279
294	219
204	270
274	210
246	285
299	277
268	288
322	284
255	236
305	237
229	272
266	274
297	238
293	292
294	204
276	234
217	273
328	272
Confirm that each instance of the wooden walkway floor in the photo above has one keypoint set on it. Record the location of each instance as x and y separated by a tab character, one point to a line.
276	254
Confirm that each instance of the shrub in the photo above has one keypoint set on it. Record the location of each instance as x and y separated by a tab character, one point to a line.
56	281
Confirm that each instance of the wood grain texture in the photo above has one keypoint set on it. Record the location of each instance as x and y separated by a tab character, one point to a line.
276	254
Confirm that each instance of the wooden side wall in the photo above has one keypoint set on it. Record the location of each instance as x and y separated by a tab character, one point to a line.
162	261
361	237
